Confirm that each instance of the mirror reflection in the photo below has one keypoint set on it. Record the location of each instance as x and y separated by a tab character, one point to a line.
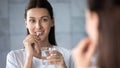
27	26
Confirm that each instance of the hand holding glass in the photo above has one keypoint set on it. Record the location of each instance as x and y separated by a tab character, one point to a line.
45	52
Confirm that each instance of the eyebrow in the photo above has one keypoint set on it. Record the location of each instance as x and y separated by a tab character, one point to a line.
40	17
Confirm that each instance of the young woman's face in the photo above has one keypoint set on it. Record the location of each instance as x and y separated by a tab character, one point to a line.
38	20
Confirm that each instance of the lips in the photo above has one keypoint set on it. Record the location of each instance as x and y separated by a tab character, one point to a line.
39	33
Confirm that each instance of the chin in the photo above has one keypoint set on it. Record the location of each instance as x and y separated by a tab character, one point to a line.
43	39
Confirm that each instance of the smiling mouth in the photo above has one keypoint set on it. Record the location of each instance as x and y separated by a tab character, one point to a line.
38	33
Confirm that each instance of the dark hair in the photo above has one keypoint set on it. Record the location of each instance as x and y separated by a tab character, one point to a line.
109	32
43	4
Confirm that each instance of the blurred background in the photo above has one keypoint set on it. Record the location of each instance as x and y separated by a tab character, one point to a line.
69	23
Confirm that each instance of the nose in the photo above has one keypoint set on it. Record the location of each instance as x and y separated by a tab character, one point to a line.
38	25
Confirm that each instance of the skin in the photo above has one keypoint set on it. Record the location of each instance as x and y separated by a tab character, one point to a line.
39	20
84	51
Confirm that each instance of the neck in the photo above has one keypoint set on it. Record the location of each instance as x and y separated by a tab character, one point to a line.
44	44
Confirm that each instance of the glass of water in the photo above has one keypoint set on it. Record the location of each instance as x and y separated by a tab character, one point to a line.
45	51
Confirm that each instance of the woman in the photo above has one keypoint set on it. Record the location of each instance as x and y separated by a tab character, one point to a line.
40	26
102	24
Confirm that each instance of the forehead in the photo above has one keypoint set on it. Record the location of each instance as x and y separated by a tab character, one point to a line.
37	12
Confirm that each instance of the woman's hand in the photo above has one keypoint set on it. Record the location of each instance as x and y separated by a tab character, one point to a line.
83	53
56	58
31	45
32	48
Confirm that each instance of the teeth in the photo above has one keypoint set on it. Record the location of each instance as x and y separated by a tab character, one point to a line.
38	33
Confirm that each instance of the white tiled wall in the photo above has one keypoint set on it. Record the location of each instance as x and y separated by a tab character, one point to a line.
4	32
17	24
69	23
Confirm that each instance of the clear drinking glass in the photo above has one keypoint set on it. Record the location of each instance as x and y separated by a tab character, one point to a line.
45	52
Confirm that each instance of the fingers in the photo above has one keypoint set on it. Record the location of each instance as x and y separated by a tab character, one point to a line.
87	47
85	43
91	50
30	40
55	57
82	46
54	60
54	52
31	44
83	53
36	38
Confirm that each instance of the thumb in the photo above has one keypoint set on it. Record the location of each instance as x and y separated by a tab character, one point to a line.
83	45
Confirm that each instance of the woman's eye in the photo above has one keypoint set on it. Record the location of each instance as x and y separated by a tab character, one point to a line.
44	20
32	20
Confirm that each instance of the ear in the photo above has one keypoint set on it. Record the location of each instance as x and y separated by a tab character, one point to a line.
95	18
52	23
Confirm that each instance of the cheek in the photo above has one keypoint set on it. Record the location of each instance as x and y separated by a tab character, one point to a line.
88	29
47	28
30	28
88	26
91	31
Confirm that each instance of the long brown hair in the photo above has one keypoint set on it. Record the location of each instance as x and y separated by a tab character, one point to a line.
43	4
109	32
